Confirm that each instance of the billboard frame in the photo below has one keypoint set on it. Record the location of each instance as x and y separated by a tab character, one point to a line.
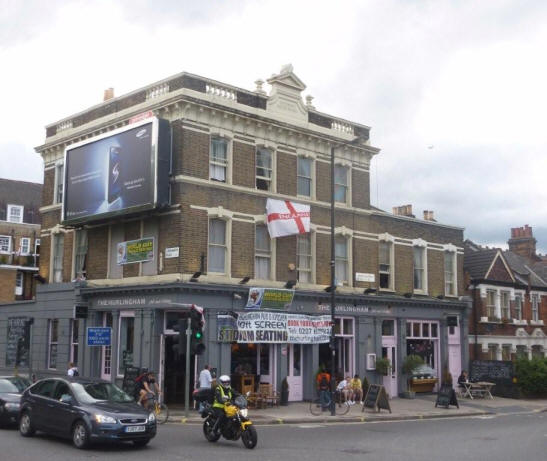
159	126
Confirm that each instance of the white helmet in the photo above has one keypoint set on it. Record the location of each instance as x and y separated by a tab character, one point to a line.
224	381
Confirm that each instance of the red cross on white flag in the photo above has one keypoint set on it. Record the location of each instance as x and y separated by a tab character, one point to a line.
287	218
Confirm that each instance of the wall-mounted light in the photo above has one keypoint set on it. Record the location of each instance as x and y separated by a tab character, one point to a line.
244	280
440	297
196	276
408	295
329	289
369	291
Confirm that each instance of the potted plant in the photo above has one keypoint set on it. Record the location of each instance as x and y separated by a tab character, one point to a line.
410	363
383	366
284	392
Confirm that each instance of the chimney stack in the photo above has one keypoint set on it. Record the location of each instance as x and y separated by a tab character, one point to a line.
523	243
404	210
428	215
108	94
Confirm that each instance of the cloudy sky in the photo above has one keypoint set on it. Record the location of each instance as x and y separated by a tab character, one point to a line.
454	90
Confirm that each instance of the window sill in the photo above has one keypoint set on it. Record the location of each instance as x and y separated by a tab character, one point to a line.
520	322
536	323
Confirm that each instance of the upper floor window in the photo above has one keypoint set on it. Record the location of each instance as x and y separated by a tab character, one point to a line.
304	170
505	306
58	248
25	246
15	213
506	352
388	327
263	169
419	268
341	260
37	246
535	307
518	307
217	246
5	243
492	352
59	183
450	273
304	258
80	253
491	303
218	159
340	184
384	263
263	254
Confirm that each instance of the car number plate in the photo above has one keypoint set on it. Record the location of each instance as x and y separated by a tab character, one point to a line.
135	429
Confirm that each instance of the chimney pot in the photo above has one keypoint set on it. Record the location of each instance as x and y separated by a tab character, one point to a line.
108	94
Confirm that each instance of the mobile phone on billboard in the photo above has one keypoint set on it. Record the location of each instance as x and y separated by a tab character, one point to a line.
114	175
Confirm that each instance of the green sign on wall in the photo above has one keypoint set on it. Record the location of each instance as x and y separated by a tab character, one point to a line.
135	251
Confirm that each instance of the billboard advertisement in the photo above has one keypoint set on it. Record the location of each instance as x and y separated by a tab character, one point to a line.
120	172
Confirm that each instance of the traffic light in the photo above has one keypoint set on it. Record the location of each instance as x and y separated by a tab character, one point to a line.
196	325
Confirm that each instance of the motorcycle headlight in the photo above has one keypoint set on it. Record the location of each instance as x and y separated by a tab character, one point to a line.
104	419
151	418
244	412
11	406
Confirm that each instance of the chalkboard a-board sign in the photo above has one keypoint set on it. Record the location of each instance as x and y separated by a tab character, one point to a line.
376	398
18	342
128	383
446	397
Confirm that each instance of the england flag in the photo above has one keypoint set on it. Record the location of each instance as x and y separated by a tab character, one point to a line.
287	218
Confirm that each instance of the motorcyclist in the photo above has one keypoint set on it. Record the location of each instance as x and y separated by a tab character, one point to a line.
223	393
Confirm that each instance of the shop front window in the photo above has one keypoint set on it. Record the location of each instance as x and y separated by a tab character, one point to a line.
422	340
126	342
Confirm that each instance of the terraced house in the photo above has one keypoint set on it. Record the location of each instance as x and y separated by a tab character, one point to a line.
509	293
164	207
19	239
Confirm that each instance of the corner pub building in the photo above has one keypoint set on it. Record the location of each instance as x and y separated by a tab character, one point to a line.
155	200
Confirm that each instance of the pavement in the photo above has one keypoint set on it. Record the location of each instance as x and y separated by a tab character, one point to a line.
422	407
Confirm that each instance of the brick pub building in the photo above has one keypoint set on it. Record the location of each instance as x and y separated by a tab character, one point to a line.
231	149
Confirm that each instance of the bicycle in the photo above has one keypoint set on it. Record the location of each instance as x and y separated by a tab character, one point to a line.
340	408
160	410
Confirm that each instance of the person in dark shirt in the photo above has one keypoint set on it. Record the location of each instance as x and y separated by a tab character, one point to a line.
148	387
463	378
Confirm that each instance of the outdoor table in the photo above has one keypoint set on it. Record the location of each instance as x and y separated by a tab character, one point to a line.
482	388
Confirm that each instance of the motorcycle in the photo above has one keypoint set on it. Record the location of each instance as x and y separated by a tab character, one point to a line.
237	424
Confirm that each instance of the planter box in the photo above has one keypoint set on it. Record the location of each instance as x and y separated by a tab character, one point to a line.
423	385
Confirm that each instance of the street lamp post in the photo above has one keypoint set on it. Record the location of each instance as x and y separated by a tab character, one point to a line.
333	272
332	285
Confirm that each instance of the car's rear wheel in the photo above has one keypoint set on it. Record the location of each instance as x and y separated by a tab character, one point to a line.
80	435
141	442
25	425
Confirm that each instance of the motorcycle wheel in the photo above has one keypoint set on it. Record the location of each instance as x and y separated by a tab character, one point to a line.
249	437
208	431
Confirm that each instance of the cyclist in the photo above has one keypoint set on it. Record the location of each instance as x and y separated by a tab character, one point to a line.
323	385
147	385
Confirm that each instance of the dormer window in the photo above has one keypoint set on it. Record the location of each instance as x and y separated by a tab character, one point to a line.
15	213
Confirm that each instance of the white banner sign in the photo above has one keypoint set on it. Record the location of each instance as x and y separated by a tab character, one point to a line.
282	327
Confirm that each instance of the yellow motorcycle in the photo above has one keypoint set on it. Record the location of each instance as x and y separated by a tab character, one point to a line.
236	424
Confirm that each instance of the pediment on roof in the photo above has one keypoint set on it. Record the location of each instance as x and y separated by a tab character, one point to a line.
285	97
499	270
288	78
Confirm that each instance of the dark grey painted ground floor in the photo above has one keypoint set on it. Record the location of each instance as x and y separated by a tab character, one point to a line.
142	319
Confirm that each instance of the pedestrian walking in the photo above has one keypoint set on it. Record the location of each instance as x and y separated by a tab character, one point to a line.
204	382
72	370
